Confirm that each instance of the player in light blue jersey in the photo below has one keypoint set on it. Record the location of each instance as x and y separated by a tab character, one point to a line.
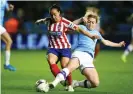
4	35
96	11
83	56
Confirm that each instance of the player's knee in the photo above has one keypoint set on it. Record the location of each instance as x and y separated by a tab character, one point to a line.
95	84
63	64
51	61
9	42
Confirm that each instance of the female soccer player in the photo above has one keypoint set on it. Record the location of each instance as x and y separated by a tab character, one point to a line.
129	48
83	55
5	36
59	46
92	10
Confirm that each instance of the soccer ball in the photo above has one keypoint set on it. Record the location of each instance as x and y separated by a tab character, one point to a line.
42	86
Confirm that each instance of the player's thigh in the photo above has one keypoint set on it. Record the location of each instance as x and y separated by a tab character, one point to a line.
65	56
6	38
52	58
92	75
2	30
64	61
73	64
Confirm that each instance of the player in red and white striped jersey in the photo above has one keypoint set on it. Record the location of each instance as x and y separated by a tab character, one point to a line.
57	37
59	46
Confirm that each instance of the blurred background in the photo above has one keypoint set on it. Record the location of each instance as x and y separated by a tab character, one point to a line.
28	53
20	24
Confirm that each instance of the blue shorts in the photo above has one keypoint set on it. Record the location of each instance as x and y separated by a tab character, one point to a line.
66	52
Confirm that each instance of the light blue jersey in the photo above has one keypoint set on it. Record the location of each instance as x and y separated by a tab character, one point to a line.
85	43
3	6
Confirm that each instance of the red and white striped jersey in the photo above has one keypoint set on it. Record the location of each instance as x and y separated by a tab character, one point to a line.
57	36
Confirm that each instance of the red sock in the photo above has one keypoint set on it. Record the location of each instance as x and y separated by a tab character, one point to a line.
69	79
54	69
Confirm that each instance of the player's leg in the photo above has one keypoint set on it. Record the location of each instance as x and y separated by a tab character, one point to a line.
8	41
52	57
73	64
127	50
87	69
66	55
92	79
68	81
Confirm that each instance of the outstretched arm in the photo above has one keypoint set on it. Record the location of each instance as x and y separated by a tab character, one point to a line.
113	44
92	36
80	20
75	27
42	20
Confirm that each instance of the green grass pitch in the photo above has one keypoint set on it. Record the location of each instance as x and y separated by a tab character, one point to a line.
116	77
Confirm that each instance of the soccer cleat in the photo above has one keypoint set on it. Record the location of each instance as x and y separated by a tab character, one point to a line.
51	86
66	88
63	83
75	83
9	67
69	88
123	58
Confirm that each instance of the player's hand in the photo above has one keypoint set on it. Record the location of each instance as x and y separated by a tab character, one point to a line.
39	21
11	7
84	19
42	20
95	37
122	44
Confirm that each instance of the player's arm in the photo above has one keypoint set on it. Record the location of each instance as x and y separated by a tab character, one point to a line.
9	7
92	36
80	20
42	20
113	44
75	27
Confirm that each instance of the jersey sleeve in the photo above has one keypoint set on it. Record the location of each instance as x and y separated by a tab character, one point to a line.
82	27
69	24
6	5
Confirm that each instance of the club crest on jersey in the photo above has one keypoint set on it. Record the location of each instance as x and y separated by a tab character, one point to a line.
59	27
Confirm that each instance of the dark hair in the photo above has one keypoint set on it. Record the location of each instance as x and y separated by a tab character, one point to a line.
55	6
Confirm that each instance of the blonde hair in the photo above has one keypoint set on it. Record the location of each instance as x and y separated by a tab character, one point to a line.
93	11
93	16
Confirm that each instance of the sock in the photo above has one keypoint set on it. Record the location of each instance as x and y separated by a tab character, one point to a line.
61	76
65	72
54	69
128	50
69	79
84	84
7	57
